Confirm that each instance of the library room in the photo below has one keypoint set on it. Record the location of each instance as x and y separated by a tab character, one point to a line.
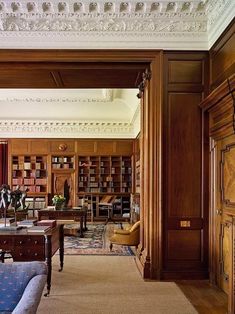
117	153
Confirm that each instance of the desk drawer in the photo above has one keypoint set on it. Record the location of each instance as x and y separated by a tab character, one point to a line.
29	241
5	242
31	254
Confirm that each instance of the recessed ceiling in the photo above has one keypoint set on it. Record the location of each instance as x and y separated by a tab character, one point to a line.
161	24
69	113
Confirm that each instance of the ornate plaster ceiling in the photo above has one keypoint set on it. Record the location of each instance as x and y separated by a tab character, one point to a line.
158	24
83	113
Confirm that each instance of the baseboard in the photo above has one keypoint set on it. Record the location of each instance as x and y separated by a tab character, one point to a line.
184	275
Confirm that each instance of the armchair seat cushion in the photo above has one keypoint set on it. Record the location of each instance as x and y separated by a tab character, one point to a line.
14	279
126	237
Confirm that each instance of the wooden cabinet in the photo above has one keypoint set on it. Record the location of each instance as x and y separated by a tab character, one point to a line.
30	171
104	174
219	111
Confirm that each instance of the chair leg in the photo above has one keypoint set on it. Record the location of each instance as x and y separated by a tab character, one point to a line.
111	246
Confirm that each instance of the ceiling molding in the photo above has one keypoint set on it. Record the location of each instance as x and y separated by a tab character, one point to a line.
106	96
159	24
65	129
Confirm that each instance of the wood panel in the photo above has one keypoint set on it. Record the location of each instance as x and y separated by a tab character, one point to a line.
186	72
184	245
222	57
124	147
86	147
219	105
105	147
184	199
19	146
65	71
63	183
228	175
62	146
14	78
184	154
39	146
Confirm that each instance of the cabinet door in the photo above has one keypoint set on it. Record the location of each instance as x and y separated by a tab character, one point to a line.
224	199
63	183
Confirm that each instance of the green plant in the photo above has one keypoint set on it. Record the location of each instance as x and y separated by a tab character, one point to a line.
58	199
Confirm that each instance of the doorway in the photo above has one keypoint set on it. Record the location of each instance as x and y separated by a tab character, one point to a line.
107	69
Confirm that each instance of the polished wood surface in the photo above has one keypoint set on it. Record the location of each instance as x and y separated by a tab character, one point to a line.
219	107
66	214
67	69
222	57
27	246
79	146
206	298
185	214
154	182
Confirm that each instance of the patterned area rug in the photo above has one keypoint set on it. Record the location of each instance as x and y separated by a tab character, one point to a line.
95	242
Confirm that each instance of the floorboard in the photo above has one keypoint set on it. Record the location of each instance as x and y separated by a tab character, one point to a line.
205	298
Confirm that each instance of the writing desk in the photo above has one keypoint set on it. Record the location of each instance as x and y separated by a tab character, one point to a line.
27	246
66	214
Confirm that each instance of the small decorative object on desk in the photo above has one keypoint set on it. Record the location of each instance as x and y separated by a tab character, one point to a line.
59	201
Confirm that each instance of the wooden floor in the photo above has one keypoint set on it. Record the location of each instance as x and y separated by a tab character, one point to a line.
205	298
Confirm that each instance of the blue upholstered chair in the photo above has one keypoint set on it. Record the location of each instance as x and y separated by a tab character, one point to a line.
21	286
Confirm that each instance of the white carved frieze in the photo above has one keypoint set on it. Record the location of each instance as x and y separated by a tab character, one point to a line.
65	129
79	22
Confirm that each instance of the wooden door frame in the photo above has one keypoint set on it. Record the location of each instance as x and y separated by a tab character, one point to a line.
149	255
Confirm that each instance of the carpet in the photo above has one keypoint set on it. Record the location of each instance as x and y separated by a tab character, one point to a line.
95	242
109	285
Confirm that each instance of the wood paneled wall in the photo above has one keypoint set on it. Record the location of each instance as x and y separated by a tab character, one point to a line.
81	147
222	57
185	244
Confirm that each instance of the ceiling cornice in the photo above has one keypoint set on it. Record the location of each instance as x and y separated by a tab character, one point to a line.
115	24
65	129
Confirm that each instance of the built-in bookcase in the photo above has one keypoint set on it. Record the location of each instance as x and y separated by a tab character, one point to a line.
31	172
62	162
104	174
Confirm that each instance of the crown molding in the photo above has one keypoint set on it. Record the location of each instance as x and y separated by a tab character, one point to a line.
219	18
65	129
107	96
158	24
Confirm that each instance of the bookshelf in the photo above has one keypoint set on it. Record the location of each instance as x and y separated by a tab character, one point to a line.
31	172
35	203
120	205
137	176
62	162
104	174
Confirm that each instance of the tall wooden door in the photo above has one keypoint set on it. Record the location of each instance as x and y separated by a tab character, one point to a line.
224	199
63	183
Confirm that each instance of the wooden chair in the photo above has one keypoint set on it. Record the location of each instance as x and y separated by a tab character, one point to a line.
106	204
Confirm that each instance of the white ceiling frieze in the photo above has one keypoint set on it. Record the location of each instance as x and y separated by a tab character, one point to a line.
65	129
162	24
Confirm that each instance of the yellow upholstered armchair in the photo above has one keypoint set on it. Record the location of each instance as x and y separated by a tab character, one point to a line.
129	236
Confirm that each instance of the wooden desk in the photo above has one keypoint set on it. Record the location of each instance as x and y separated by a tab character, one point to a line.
66	214
27	246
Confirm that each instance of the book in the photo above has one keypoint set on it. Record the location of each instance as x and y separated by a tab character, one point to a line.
47	222
27	223
39	229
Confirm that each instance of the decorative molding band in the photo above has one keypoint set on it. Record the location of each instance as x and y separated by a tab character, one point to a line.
65	129
107	97
158	24
107	25
87	7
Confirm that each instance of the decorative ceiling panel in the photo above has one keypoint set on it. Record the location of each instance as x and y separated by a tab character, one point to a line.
162	24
